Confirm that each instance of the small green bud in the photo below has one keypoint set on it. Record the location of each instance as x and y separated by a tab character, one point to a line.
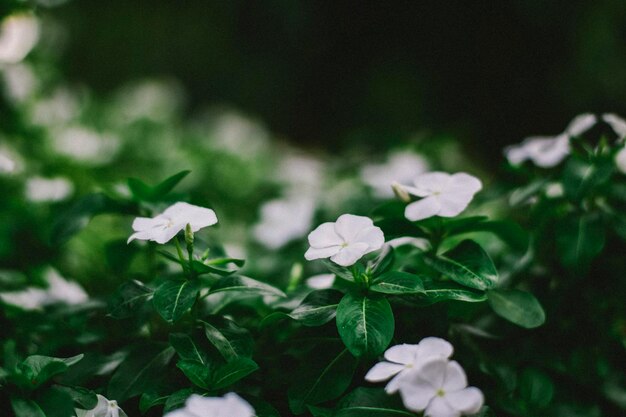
400	192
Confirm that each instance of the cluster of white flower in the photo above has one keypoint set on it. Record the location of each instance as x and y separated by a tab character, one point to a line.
549	151
427	380
230	405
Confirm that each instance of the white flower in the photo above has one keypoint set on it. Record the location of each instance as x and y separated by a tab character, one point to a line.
18	35
346	240
230	405
402	360
321	281
620	160
549	151
59	291
175	218
104	408
617	124
20	82
43	190
440	389
85	145
283	220
400	167
442	194
7	164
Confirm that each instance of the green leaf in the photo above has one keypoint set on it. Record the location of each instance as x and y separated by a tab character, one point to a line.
536	388
468	264
508	231
196	372
523	194
83	397
232	371
324	379
79	215
143	192
365	324
55	403
338	270
139	372
39	369
396	282
177	400
149	400
129	298
173	298
317	308
384	262
436	292
370	402
186	348
244	284
230	340
579	239
580	176
210	266
26	408
519	307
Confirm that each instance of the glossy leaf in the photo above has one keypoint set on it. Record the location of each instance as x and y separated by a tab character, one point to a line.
196	372
371	402
26	408
186	348
229	339
244	284
536	388
468	264
436	292
234	370
324	379
365	323
173	298
580	239
396	282
317	308
384	262
130	297
519	307
580	176
39	369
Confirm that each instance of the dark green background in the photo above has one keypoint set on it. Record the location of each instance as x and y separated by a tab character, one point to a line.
327	73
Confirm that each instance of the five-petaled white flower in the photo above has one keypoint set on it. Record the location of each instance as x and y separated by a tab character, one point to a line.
175	218
549	151
440	389
406	359
104	408
346	240
442	194
230	405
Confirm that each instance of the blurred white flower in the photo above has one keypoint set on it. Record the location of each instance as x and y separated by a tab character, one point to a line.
48	190
85	145
400	167
620	160
554	190
617	124
302	174
549	151
59	108
442	194
104	408
440	389
321	281
19	82
230	405
345	241
18	35
402	360
58	291
151	99
7	164
284	220
175	218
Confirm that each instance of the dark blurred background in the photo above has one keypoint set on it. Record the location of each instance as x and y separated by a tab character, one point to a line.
330	74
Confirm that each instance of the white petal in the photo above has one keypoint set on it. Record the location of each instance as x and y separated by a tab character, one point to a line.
399	381
197	217
617	124
165	235
464	182
580	124
200	406
348	226
181	412
516	154
433	371
321	281
145	223
235	406
549	153
620	160
140	235
373	236
432	182
455	377
417	396
467	401
324	236
422	209
431	347
438	407
350	254
382	371
404	353
315	253
453	204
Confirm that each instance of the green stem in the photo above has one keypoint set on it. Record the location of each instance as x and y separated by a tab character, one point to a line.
180	255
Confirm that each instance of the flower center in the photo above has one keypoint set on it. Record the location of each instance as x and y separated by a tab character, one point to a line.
441	393
344	245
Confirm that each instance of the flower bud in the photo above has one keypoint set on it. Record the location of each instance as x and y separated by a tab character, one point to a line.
400	192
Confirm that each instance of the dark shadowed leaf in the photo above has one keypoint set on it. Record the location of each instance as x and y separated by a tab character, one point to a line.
173	298
519	307
317	308
468	264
